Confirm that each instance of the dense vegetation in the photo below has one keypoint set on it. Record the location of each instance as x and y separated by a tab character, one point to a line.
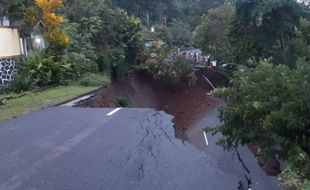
268	104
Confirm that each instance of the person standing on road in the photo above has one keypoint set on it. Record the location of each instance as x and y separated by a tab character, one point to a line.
205	58
214	63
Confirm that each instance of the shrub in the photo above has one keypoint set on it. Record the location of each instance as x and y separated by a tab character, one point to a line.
47	70
123	102
169	68
91	79
113	61
35	66
82	64
104	62
118	68
22	82
290	179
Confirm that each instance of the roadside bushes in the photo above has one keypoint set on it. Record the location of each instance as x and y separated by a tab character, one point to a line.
113	62
39	70
173	70
47	70
21	83
82	64
168	68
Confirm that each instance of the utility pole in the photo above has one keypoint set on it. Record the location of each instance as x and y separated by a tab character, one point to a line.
147	18
165	21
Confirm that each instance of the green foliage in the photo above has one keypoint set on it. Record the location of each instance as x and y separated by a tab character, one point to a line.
270	105
229	69
77	9
81	63
265	28
181	33
21	83
92	79
163	33
123	102
16	9
102	27
82	36
104	62
82	33
194	9
306	185
168	68
118	68
120	31
212	33
114	62
47	70
81	51
290	179
151	11
165	11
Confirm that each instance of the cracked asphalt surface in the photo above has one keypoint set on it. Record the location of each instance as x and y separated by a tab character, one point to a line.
68	148
240	161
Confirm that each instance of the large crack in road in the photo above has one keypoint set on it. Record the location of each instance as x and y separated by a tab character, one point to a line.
238	161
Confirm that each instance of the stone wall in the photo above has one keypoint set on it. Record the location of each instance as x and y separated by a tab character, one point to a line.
7	71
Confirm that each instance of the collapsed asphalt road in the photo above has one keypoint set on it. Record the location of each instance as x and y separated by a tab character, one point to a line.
239	162
87	148
80	148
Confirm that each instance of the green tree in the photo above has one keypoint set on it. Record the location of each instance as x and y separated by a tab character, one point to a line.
119	30
270	106
77	9
181	33
212	33
147	10
265	28
163	33
81	50
16	9
194	9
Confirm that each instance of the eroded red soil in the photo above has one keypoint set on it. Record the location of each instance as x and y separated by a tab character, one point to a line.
184	102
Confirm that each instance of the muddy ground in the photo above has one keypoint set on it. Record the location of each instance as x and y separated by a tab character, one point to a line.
186	103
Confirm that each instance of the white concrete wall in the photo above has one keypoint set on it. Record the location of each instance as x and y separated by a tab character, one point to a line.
9	42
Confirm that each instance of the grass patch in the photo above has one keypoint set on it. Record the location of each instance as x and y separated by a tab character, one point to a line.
32	101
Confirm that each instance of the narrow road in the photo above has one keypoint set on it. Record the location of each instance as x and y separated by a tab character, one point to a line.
239	162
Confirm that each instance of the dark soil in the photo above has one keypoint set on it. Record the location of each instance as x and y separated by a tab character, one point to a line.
186	103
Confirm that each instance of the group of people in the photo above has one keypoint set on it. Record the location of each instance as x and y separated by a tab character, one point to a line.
208	61
195	56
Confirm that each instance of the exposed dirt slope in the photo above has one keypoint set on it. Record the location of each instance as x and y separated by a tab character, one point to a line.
185	102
